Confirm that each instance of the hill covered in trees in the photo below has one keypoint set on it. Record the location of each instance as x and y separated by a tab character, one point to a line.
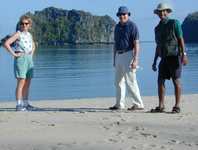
190	28
58	27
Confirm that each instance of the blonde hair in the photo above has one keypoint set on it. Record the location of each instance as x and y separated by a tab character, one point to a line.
25	17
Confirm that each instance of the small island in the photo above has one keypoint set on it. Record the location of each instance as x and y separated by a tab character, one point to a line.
190	28
58	27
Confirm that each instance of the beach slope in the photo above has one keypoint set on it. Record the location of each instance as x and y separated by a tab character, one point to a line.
87	124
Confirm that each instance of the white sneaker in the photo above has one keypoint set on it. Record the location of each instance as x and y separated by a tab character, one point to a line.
20	108
30	107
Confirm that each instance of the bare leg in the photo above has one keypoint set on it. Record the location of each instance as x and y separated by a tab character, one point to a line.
161	92
19	88
26	86
177	86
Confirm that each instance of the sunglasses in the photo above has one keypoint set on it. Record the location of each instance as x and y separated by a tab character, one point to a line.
24	23
122	14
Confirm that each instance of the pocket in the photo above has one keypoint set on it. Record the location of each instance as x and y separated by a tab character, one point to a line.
30	60
19	60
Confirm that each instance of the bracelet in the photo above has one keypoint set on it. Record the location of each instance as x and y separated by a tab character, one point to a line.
185	53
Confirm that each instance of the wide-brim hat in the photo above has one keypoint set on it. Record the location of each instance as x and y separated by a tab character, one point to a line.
163	6
123	10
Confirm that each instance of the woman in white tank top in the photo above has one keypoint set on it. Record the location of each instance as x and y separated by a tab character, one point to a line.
23	63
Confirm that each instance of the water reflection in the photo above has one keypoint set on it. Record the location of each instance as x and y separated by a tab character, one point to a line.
75	73
86	71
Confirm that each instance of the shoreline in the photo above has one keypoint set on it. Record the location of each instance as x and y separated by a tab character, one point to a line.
112	98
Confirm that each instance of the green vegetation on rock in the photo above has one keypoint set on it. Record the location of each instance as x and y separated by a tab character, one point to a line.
58	27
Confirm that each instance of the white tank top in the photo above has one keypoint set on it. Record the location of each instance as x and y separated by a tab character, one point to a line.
24	43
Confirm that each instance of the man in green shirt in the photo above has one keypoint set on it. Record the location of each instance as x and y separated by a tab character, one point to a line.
171	49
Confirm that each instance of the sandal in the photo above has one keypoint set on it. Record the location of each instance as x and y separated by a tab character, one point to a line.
115	108
135	107
176	110
158	110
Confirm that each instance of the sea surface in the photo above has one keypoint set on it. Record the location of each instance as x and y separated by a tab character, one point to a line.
86	71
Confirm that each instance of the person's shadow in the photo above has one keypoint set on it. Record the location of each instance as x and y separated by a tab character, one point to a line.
48	109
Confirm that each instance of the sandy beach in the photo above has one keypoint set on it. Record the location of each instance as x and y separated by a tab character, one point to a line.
87	124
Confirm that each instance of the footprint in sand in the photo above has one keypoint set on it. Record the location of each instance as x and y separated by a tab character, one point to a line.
105	118
148	135
68	145
172	142
51	125
36	122
133	147
163	147
117	123
153	145
139	128
175	141
106	128
113	140
118	133
188	144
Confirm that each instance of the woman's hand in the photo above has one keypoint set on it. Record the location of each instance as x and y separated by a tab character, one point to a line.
17	54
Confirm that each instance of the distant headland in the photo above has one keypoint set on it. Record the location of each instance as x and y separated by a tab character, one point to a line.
190	28
57	27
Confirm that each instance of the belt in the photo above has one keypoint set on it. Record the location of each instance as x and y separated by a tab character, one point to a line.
17	52
122	51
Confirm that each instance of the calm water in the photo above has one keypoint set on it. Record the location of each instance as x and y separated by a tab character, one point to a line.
86	71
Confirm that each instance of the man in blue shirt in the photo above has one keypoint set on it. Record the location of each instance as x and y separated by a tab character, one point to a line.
125	61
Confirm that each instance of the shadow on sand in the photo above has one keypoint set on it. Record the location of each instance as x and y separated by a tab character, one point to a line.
48	109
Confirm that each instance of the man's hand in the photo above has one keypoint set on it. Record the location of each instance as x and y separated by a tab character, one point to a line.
184	59
154	68
134	64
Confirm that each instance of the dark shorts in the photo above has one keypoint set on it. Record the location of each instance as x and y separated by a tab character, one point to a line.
170	67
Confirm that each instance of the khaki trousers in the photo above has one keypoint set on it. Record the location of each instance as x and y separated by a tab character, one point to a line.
125	79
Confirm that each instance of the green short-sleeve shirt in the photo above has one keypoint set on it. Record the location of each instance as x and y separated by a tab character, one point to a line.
178	29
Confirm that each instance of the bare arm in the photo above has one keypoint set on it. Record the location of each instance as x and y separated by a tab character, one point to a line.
182	51
181	45
8	43
156	55
33	47
155	59
135	54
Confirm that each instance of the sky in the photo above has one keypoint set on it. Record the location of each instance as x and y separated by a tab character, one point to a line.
141	10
